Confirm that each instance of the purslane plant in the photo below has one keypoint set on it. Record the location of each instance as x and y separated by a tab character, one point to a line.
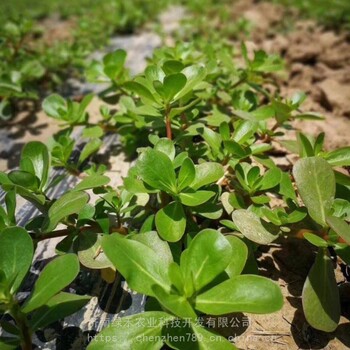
206	184
205	280
47	302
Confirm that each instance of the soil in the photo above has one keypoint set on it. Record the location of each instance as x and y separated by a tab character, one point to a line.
318	63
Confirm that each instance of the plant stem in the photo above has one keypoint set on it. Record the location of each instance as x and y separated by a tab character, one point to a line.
21	321
169	134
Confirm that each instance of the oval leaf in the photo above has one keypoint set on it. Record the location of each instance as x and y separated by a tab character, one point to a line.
250	225
245	293
16	254
156	169
171	222
69	203
138	263
58	274
315	180
320	296
207	256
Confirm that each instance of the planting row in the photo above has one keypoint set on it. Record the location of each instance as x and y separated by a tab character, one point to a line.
204	194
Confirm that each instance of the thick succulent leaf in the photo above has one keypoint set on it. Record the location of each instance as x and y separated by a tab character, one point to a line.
187	174
35	155
9	343
16	254
156	169
56	275
90	252
92	181
208	254
207	173
340	226
339	157
173	84
153	241
69	203
166	146
315	180
138	263
175	303
54	106
171	222
192	199
208	340
239	256
136	332
250	225
244	293
320	296
57	308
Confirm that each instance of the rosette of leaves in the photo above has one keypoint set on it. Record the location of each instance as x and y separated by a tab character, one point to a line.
166	92
204	280
33	182
183	188
47	301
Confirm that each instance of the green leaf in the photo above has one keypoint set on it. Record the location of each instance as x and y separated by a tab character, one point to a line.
89	251
89	149
175	303
315	180
172	66
140	265
171	222
250	225
54	106
56	275
93	132
16	254
315	240
173	84
320	296
9	343
92	181
140	90
340	226
114	63
339	157
194	75
305	146
69	203
213	139
192	199
156	169
244	131
207	256
244	293
166	146
238	258
24	179
37	154
57	308
270	179
153	241
186	175
207	173
209	340
136	332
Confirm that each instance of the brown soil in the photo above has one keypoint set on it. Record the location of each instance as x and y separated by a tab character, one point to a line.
318	63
